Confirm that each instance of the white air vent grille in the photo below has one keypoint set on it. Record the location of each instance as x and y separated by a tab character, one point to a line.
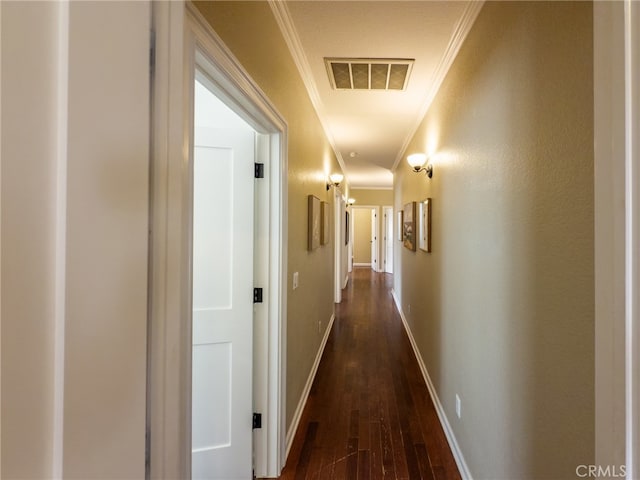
368	73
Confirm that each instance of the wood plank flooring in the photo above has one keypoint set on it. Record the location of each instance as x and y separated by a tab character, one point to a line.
369	414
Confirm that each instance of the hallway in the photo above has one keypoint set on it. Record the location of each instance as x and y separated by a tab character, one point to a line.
369	414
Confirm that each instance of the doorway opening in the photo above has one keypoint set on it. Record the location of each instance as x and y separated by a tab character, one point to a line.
365	235
222	256
198	213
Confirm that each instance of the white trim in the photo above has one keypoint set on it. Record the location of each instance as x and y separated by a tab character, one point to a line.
632	236
361	264
291	38
609	227
385	260
297	415
62	121
442	416
180	32
339	245
457	39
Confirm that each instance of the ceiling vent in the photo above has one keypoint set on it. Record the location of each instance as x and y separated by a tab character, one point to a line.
369	73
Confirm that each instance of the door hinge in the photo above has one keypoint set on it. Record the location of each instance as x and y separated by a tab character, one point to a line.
258	171
257	420
257	295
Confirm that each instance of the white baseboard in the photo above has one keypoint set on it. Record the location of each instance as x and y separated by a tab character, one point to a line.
291	433
361	264
448	431
346	280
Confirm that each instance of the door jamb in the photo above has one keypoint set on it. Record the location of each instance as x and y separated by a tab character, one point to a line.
339	236
386	239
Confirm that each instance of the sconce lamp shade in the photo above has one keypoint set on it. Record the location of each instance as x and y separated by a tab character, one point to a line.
417	160
351	201
336	178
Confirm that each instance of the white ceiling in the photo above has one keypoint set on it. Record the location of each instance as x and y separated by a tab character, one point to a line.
376	124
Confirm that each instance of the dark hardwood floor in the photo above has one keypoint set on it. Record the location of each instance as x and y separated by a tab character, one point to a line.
369	413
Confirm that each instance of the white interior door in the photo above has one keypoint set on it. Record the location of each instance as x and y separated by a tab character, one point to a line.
223	245
388	239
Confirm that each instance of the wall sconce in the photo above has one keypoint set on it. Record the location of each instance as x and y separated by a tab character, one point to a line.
417	161
334	180
351	201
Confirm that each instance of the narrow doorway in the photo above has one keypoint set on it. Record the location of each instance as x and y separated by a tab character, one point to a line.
221	273
214	210
365	237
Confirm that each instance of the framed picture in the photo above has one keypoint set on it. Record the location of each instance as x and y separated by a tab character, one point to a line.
346	228
399	226
324	214
424	229
314	228
409	226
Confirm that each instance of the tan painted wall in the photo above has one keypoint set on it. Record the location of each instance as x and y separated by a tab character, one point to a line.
361	235
503	308
28	235
266	57
374	197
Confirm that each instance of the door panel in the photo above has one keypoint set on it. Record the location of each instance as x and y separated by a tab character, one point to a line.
223	243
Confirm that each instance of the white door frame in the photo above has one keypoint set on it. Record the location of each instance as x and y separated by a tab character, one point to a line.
617	233
387	210
352	219
339	237
184	41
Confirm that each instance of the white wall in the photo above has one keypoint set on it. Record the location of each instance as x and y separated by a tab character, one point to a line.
75	107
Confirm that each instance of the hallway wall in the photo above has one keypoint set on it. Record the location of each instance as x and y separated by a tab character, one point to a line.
266	57
502	310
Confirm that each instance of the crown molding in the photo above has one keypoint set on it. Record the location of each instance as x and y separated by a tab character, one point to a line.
291	38
457	39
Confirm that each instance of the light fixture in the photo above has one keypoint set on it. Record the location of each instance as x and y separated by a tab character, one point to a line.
334	180
351	201
417	161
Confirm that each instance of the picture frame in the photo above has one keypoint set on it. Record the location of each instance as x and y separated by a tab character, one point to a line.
399	226
409	226
424	228
314	226
324	214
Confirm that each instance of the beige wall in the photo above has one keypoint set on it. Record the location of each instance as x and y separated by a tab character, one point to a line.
361	235
28	234
379	198
266	57
371	197
503	308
